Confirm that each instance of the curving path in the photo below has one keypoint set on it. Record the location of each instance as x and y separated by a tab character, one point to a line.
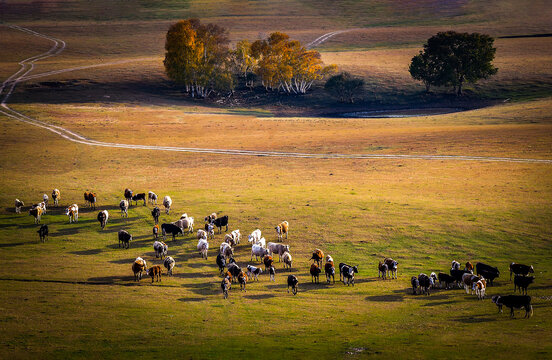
58	46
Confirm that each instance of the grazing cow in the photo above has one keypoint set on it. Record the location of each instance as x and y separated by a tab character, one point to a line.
317	256
315	273
125	238
445	278
514	301
520	269
138	197
128	196
152	198
487	271
36	213
220	222
455	265
169	263
123	205
202	247
242	279
282	229
86	197
226	250
275	248
329	269
167	203
257	250
521	282
293	282
457	275
73	213
267	261
425	283
201	234
45	199
155	213
468	279
102	218
433	277
210	230
236	235
160	249
391	267
234	270
415	284
186	224
41	205
138	266
271	273
18	205
229	239
155	231
382	269
225	285
155	272
254	237
469	266
43	232
480	287
170	229
254	272
348	273
287	259
90	199
56	195
210	218
221	262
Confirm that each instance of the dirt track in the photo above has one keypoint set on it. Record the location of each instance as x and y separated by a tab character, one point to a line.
27	66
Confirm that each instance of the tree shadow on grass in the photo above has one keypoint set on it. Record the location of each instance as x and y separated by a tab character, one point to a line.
197	299
474	319
204	289
7	245
87	252
385	298
191	275
259	296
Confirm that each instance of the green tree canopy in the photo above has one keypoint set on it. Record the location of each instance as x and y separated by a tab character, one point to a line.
344	87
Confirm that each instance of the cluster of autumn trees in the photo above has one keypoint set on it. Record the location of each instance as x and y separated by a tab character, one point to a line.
198	56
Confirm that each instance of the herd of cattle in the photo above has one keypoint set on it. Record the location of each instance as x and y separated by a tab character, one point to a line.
264	252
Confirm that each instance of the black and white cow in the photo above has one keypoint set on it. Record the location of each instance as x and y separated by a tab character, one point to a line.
138	197
102	218
155	213
124	238
348	273
293	283
254	272
221	262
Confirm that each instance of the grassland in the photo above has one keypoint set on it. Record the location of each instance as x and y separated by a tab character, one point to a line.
74	296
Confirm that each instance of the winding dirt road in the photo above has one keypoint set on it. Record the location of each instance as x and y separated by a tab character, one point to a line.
58	46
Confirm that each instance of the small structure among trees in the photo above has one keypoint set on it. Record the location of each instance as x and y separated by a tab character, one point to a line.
453	59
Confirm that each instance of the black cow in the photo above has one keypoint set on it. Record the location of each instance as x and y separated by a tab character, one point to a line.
170	229
43	232
520	269
125	238
487	271
220	222
445	278
415	284
128	196
225	285
457	275
293	282
514	301
522	282
156	213
221	262
234	269
425	283
137	197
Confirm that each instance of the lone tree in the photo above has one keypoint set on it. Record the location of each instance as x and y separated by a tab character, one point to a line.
344	87
197	56
452	59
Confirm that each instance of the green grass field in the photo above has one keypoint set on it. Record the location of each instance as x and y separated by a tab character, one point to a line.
74	296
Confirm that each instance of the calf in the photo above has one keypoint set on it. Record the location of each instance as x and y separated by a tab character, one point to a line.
391	267
123	205
102	218
487	271
155	231
155	213
56	195
286	257
267	261
455	265
36	213
514	301
348	273
433	277
152	197
155	272
415	284
293	283
169	263
469	280
128	196
18	205
329	270
382	269
282	229
317	256
520	269
469	266
521	282
170	229
43	232
138	266
271	273
258	251
446	279
221	262
254	272
229	239
91	199
279	249
209	229
73	213
203	247
160	249
254	237
210	218
226	250
201	234
315	273
225	286
220	222
342	266
124	238
480	287
242	279
425	283
45	199
236	235
167	203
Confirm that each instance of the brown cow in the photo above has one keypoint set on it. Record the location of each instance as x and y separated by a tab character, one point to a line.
155	272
